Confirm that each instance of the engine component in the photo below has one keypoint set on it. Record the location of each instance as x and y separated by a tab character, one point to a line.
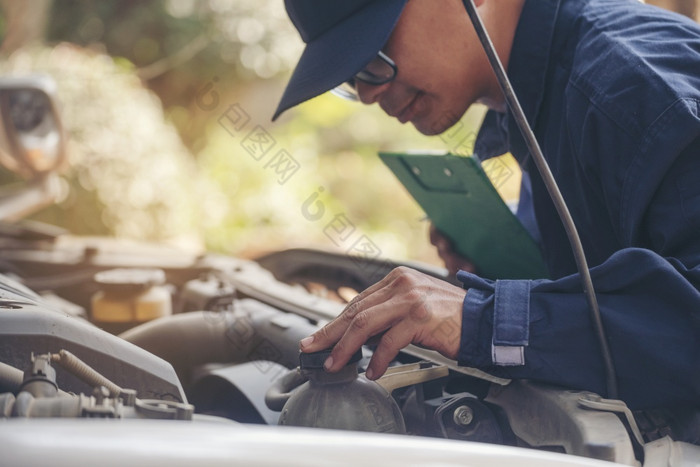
129	297
465	417
80	369
238	392
252	331
40	379
39	396
547	417
207	292
335	270
10	378
341	400
279	393
678	423
25	405
28	325
411	374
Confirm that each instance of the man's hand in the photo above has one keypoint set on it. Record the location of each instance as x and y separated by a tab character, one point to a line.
453	261
403	308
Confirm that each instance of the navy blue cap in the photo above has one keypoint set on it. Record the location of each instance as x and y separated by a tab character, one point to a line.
342	36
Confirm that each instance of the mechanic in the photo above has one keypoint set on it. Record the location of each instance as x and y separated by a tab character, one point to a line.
612	91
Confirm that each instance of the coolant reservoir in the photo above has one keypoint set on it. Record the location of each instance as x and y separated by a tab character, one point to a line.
129	297
342	400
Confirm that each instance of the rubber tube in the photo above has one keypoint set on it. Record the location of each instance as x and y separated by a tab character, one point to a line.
252	331
281	390
10	378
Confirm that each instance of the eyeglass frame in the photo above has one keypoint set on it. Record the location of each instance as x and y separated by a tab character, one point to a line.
348	91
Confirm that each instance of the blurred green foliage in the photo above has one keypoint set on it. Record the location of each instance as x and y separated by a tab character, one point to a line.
335	145
129	173
144	91
179	45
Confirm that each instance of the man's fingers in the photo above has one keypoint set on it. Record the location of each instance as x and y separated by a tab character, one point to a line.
366	324
404	308
329	334
433	233
333	331
445	249
320	340
380	312
389	346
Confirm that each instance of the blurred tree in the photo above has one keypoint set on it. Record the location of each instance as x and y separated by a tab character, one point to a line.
24	23
178	46
133	177
129	173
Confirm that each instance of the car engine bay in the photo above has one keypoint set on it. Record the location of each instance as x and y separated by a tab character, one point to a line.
117	352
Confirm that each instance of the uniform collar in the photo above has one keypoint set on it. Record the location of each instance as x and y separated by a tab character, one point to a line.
527	69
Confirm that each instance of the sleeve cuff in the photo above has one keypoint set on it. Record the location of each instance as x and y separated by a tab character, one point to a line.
495	322
476	331
511	322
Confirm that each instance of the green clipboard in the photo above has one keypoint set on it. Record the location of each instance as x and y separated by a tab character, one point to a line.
463	204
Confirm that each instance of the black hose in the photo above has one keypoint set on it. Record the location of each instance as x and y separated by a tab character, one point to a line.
281	390
189	340
253	331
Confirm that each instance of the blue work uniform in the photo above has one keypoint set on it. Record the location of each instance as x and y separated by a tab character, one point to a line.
612	92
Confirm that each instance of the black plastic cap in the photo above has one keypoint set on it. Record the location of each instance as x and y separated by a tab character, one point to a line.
315	360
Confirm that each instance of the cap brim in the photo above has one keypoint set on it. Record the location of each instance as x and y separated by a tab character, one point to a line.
341	52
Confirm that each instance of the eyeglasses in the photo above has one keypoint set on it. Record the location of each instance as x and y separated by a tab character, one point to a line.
379	71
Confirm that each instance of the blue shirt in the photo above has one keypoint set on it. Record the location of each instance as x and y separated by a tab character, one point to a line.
612	92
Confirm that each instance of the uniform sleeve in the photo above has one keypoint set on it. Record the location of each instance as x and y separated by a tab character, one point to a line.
649	300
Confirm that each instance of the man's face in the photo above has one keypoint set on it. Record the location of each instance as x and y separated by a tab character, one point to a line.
442	69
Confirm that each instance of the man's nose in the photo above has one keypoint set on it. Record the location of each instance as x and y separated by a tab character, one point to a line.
369	93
